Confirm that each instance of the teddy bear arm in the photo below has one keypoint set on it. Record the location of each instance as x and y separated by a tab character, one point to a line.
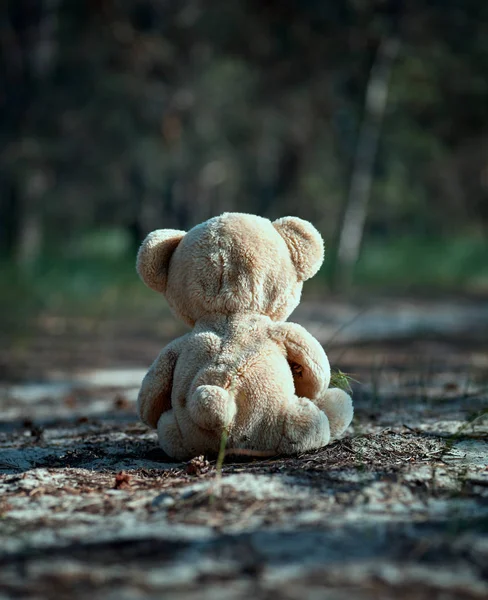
307	359
155	394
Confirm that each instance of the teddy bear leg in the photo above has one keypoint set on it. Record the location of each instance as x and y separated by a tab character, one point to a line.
337	405
306	427
170	438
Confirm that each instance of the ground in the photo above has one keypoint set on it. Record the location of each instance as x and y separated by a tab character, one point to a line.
90	507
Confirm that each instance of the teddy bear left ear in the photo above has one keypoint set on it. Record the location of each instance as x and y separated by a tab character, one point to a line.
305	244
154	256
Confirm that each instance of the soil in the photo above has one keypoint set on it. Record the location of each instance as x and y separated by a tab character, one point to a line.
90	507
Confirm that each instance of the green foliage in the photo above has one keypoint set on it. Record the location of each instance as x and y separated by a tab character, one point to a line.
154	114
430	262
163	114
75	286
96	275
340	380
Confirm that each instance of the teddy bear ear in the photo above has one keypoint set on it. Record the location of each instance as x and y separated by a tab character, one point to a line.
154	256
305	244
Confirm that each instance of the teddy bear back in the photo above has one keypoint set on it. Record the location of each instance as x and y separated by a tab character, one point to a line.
231	264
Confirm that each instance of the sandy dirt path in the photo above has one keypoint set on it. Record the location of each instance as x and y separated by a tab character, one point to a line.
90	507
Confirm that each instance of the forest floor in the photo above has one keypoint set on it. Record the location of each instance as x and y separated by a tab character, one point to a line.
90	507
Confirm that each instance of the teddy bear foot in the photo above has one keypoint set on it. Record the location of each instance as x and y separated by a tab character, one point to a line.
306	427
337	405
169	435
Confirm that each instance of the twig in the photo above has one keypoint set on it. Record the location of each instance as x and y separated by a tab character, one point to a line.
345	326
412	429
246	452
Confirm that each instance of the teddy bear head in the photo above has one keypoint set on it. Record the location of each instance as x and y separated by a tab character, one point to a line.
234	263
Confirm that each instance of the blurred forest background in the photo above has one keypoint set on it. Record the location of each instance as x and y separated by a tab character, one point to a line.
369	118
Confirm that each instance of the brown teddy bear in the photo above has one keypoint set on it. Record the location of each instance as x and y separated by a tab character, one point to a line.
235	279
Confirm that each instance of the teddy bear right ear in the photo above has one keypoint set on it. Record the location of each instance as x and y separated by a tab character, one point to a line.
154	256
305	244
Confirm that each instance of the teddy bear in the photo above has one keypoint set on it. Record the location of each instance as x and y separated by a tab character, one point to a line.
235	279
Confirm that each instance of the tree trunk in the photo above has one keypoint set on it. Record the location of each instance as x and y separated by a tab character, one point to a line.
9	216
29	52
30	227
357	201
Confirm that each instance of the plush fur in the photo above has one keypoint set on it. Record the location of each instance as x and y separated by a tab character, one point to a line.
235	279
